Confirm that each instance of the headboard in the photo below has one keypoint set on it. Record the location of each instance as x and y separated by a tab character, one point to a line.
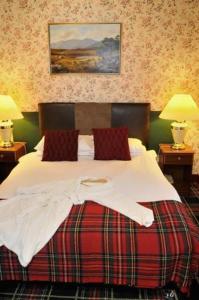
85	116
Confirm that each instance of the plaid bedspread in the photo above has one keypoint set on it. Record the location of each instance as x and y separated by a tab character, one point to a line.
96	244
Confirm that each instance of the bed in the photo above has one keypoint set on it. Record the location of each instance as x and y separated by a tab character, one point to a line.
95	243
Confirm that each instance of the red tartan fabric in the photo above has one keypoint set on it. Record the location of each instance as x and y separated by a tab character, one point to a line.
96	244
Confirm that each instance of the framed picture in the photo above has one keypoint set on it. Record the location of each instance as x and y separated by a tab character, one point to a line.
85	48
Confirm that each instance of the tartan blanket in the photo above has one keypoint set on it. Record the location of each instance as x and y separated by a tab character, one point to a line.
98	245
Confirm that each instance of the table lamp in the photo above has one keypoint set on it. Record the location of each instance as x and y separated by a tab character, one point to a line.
8	111
180	108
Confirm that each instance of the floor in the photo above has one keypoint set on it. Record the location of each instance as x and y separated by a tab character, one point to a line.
193	203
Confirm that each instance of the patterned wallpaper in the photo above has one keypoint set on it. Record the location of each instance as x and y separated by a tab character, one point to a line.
160	46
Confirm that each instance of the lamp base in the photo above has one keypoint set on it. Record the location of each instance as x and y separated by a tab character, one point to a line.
6	134
6	144
178	146
178	132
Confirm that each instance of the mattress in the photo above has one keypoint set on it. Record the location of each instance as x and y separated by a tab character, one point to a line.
98	244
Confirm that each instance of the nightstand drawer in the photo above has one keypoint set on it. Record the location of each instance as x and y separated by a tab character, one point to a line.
178	164
7	156
178	159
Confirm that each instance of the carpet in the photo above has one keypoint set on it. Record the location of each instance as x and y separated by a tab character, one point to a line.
192	201
60	291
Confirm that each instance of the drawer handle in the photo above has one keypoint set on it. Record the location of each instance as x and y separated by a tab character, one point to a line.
179	157
1	155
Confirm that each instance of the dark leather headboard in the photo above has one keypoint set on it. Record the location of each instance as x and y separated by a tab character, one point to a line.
85	116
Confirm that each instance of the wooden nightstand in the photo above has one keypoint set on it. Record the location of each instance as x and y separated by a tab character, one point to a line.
9	158
178	164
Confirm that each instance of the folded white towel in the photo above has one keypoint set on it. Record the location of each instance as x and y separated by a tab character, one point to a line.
94	181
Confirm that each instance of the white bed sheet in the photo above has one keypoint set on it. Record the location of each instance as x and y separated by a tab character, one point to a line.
141	178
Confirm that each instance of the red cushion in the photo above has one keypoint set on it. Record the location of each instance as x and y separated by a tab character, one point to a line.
60	145
111	144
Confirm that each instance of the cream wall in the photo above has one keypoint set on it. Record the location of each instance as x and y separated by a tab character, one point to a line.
160	48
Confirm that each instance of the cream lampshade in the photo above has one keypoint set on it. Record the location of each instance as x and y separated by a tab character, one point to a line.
181	108
8	111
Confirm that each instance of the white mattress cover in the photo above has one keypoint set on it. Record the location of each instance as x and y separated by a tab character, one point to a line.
140	178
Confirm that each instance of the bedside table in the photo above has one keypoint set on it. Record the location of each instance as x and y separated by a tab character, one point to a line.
9	158
178	164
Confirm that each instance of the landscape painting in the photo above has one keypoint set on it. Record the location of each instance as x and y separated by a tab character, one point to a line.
85	48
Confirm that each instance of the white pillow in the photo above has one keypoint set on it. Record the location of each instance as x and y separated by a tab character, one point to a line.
40	146
136	147
137	150
86	146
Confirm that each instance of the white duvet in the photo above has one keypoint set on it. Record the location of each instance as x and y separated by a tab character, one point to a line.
41	194
141	178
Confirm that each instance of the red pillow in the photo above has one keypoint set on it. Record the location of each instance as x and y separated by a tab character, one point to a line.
111	144
60	145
